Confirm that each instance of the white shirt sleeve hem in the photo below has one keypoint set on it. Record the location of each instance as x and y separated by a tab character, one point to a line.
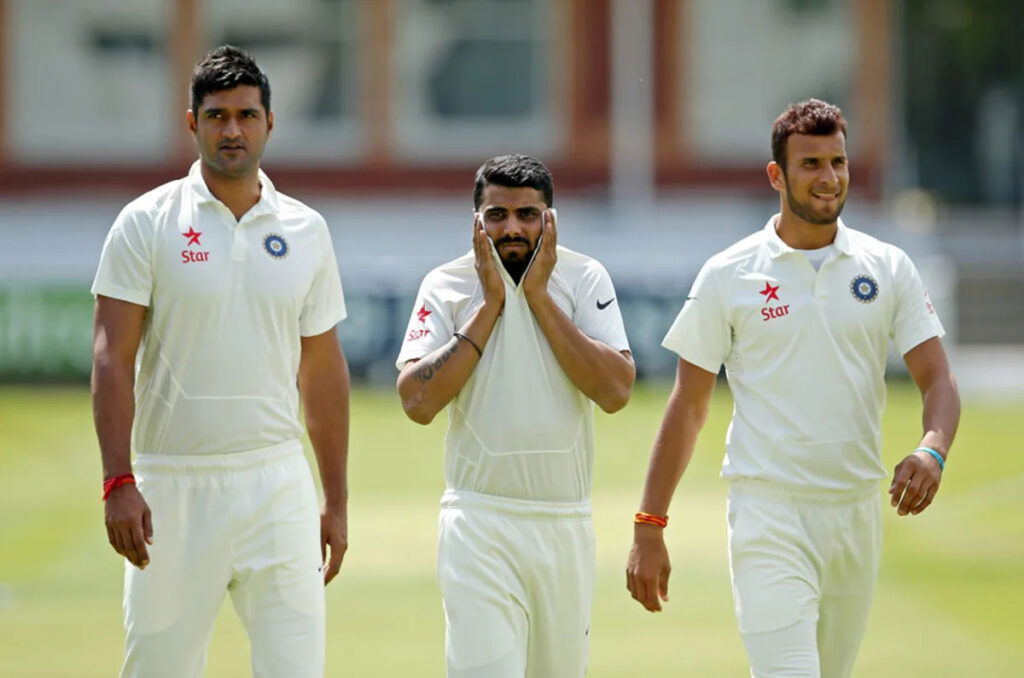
121	293
703	362
312	329
919	338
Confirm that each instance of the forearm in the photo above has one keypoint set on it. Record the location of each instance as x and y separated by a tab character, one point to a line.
600	372
428	385
941	414
113	408
673	449
325	398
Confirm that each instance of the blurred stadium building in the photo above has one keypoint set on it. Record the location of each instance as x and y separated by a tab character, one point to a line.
653	114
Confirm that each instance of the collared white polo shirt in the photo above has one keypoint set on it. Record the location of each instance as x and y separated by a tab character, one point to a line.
519	427
804	352
227	304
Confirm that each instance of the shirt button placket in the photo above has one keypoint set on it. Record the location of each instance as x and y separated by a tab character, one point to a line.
239	251
820	278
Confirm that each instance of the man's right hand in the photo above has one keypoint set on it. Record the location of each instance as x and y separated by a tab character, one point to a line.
486	267
648	568
129	524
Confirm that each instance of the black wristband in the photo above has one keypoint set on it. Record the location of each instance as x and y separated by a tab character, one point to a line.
460	335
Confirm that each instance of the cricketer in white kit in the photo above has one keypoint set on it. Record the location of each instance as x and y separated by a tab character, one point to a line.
801	314
519	338
229	292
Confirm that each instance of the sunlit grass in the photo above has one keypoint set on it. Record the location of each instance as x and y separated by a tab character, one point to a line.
949	602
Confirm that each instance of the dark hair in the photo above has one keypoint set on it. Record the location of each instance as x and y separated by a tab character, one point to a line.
227	67
812	116
514	171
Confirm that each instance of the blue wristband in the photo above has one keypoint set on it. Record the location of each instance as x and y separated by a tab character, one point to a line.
938	457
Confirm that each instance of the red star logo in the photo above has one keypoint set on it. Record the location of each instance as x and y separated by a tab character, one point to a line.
770	292
423	313
193	236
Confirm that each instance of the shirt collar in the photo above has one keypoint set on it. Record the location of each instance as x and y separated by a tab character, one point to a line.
267	203
777	247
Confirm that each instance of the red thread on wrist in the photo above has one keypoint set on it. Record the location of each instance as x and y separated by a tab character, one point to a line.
650	519
116	482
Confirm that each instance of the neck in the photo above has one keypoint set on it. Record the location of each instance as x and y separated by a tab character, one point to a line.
804	235
238	194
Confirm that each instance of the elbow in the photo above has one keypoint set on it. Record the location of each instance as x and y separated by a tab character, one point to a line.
615	394
700	417
615	399
414	404
107	371
417	411
419	416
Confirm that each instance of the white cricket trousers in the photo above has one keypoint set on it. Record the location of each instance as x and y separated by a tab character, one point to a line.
517	579
246	523
804	566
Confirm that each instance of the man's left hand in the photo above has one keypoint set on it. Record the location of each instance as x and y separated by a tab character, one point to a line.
536	281
914	483
333	532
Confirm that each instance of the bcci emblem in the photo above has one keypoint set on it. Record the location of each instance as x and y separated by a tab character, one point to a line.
276	246
864	289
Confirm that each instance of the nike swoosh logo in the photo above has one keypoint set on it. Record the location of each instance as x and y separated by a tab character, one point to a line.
601	307
690	299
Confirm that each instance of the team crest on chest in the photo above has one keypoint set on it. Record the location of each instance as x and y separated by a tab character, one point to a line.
864	288
275	245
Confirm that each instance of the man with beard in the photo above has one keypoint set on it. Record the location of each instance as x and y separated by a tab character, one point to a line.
519	335
230	292
801	314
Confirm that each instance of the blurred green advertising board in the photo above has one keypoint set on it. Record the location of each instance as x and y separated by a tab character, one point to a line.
45	332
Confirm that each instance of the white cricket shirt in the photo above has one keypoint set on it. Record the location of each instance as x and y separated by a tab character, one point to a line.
519	427
804	352
227	304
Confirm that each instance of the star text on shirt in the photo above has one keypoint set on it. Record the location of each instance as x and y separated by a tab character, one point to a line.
193	236
769	312
189	256
770	292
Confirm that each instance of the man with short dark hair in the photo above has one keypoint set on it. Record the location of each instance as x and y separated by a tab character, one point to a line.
801	314
519	337
232	291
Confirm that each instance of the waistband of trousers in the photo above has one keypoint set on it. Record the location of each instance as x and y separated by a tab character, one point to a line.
759	488
217	463
520	508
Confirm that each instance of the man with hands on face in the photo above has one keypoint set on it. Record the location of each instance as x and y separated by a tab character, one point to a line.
801	313
518	338
229	293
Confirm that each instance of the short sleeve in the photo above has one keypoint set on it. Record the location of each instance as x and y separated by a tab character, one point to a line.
915	320
430	326
324	306
701	333
597	311
125	270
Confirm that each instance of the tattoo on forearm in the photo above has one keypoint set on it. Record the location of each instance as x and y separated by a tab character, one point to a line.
429	369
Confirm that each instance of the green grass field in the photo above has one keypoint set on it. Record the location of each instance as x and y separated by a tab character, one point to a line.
950	600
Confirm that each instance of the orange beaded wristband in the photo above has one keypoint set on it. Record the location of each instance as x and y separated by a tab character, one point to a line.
650	519
115	482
